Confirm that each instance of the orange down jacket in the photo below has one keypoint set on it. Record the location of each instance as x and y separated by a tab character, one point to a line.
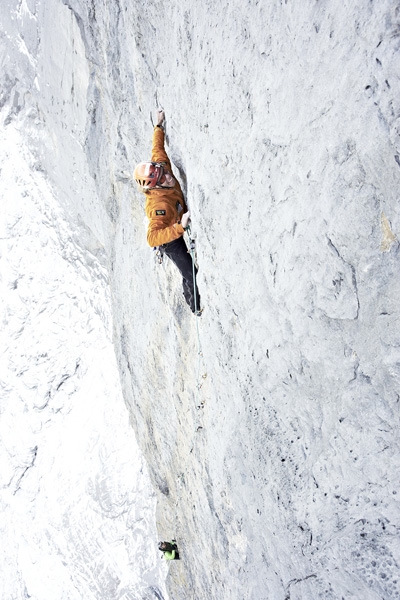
164	206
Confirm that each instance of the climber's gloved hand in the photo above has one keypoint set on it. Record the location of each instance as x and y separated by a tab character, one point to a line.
185	219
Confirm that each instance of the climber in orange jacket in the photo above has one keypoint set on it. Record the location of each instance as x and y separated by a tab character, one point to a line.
167	212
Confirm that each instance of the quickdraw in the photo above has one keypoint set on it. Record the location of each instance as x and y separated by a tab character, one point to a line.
159	254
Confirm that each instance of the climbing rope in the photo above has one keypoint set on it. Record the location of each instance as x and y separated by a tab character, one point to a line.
192	246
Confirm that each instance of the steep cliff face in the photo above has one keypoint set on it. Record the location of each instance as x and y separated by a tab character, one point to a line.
76	503
270	425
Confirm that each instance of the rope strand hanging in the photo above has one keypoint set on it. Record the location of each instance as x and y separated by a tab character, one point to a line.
192	245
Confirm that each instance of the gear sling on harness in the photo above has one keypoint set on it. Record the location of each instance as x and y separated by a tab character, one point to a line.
178	252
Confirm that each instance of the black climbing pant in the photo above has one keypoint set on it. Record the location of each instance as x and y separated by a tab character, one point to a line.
178	252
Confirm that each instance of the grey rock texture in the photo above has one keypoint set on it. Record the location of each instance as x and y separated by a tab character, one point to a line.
76	502
275	459
270	425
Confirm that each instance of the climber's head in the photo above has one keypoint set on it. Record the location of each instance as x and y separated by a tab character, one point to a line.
149	175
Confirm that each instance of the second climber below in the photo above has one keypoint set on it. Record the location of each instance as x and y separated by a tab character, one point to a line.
167	212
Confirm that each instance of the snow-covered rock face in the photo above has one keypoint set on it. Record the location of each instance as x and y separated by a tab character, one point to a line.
274	451
76	504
